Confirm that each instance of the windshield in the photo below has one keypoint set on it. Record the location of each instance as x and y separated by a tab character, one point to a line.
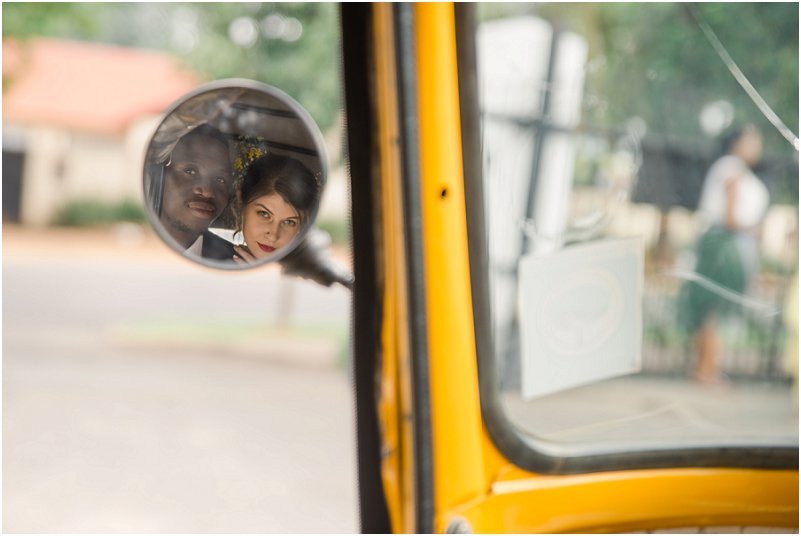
640	186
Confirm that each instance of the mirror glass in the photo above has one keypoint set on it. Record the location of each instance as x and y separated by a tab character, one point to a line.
233	174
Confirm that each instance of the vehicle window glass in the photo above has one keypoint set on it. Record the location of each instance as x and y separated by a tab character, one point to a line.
640	179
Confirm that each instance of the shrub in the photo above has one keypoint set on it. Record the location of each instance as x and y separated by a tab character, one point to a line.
87	212
339	229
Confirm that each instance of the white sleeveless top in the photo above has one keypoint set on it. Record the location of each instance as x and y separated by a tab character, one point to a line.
752	195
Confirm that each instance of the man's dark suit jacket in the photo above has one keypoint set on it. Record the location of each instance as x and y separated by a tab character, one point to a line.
217	248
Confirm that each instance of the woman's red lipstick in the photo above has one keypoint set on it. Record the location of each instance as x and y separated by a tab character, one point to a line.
266	249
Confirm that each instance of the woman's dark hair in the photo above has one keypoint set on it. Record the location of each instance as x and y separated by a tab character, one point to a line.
285	176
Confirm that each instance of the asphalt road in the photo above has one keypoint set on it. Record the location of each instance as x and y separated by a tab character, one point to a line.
136	398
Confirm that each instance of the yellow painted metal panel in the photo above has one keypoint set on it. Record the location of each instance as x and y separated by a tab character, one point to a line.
455	412
471	479
395	399
636	500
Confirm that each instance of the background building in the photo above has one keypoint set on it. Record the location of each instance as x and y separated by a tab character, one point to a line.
76	118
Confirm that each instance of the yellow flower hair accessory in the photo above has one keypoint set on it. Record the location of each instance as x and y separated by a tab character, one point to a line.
248	150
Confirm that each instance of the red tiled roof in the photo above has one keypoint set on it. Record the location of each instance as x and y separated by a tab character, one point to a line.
88	87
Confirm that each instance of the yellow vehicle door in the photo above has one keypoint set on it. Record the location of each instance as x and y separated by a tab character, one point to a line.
524	357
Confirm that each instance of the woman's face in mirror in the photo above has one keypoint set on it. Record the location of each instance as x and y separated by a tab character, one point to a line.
269	223
277	195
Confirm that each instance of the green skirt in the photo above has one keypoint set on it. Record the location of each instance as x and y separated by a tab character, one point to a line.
718	259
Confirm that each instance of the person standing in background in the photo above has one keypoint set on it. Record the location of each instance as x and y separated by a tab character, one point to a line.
733	204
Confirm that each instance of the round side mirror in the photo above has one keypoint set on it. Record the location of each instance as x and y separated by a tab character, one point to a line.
234	174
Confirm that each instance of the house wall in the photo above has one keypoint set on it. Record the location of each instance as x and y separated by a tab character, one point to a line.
63	166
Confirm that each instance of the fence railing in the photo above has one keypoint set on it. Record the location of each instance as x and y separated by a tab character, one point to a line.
752	343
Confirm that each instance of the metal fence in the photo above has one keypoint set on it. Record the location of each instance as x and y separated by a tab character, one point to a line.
752	342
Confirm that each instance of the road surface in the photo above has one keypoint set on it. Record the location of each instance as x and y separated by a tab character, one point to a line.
142	393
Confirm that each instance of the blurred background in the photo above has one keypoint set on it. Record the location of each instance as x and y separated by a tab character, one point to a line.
601	121
141	392
630	109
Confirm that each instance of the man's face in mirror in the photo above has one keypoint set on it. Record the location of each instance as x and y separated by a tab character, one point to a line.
197	186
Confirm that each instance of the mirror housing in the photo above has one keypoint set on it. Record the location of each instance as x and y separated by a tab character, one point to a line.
311	260
234	174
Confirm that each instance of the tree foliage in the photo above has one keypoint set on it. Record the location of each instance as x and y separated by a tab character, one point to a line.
652	61
305	66
648	60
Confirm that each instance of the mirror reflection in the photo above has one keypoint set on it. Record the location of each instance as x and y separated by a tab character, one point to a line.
234	174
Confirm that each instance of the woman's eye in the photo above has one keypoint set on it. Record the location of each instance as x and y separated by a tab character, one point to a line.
264	214
290	223
221	180
190	171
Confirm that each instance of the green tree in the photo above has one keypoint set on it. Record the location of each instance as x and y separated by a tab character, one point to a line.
303	60
651	60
